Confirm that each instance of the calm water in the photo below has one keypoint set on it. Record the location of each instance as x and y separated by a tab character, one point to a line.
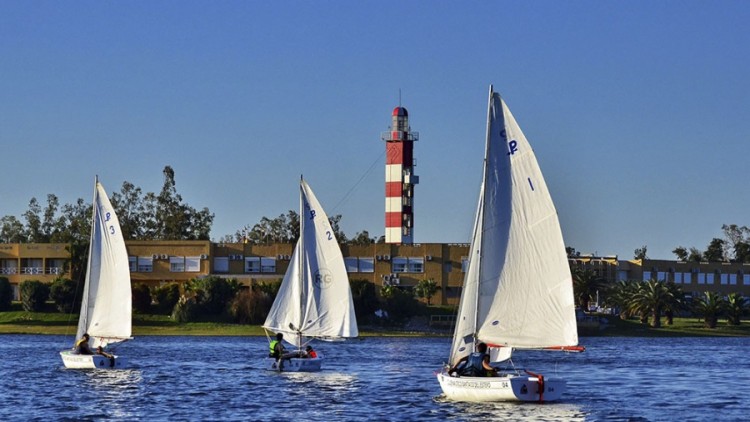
200	378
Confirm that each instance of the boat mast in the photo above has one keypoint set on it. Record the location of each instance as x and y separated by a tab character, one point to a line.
83	323
480	247
300	260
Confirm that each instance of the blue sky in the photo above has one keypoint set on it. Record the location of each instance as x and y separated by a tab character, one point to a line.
639	111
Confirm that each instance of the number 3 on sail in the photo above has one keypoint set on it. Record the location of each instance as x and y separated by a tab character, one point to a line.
517	255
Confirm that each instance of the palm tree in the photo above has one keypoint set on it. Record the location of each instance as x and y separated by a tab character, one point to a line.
735	307
675	302
710	306
585	285
650	298
619	295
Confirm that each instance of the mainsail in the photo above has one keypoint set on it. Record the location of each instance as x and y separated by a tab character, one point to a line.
518	290
106	309
314	299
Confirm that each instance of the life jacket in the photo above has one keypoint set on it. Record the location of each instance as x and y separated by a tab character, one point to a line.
474	364
272	348
312	354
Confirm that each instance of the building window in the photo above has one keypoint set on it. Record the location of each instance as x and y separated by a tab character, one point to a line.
351	264
687	278
145	264
398	264
678	278
252	264
733	279
268	265
661	276
746	279
701	278
177	264
401	264
367	265
416	265
724	278
133	263
710	278
221	264
192	264
646	275
464	264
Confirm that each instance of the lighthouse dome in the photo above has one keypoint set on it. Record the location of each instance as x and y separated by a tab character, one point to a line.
400	111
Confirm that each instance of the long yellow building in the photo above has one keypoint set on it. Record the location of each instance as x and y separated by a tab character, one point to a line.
158	262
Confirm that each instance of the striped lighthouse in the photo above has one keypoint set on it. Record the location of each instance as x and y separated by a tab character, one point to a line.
399	179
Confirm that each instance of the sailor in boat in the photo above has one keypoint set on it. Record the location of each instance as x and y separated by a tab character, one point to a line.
100	351
310	353
476	364
82	347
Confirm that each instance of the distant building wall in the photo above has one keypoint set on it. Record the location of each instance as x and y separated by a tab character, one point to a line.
33	261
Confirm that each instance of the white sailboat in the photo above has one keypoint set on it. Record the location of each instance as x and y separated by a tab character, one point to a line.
315	299
106	309
518	290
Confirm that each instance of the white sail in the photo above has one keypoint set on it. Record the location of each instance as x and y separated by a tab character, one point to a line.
106	309
314	299
518	288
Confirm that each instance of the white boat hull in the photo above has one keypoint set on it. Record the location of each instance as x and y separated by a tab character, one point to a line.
76	361
502	388
295	364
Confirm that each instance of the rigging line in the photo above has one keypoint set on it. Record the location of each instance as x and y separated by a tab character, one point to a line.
349	192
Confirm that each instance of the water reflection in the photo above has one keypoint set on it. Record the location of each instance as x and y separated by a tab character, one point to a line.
505	411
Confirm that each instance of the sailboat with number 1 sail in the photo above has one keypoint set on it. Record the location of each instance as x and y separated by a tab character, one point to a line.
518	290
315	299
106	309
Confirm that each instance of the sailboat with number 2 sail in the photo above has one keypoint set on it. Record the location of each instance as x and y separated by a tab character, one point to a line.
106	309
315	299
518	290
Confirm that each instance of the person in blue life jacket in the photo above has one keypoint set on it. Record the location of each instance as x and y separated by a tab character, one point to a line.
82	347
476	364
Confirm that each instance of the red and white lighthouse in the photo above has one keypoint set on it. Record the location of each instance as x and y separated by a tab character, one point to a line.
399	179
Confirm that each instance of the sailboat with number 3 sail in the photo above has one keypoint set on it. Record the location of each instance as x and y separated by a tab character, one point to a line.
315	299
518	290
106	309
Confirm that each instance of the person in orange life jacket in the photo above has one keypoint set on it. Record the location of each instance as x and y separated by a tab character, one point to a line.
476	364
310	353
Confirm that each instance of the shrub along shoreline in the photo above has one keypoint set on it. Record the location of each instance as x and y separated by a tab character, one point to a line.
22	322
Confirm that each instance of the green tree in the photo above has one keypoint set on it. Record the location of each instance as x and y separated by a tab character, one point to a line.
710	307
585	285
34	294
11	230
34	222
65	294
6	294
426	289
141	298
736	307
620	295
675	302
695	255
165	297
365	299
681	253
362	238
651	298
250	306
715	251
129	206
213	294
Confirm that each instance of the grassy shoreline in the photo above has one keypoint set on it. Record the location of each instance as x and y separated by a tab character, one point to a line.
21	322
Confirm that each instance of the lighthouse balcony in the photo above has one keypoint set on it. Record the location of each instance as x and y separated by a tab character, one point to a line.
398	135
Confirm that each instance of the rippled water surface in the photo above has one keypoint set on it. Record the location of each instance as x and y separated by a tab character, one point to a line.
219	378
